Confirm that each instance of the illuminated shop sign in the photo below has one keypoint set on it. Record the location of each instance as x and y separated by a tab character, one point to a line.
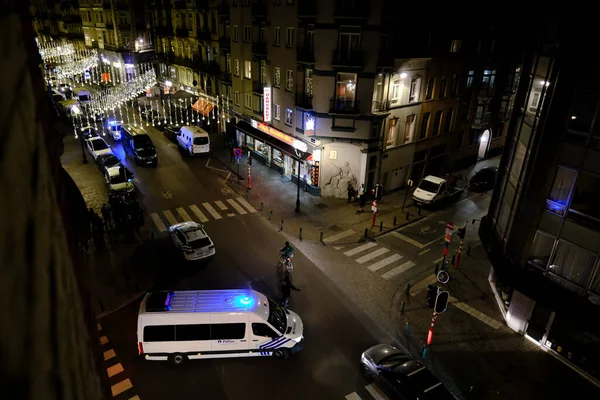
267	104
269	130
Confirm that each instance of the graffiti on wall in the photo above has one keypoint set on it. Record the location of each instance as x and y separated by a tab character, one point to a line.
336	179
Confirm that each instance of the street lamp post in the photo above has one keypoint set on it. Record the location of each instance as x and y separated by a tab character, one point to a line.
298	191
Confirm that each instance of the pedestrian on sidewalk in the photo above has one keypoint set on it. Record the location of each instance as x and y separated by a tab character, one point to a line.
286	290
350	192
105	210
305	183
362	199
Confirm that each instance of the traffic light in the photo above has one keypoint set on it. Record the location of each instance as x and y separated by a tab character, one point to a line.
462	232
441	302
432	292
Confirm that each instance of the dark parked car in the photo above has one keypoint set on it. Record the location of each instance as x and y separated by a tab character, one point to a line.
484	179
400	375
171	131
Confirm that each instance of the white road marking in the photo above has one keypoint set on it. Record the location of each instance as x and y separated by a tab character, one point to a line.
424	251
170	217
158	222
237	207
384	262
398	270
338	236
353	396
414	242
372	255
376	392
221	205
358	249
198	213
246	204
212	211
184	214
338	247
231	215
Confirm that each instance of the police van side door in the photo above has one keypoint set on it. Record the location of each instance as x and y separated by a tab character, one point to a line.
228	336
264	339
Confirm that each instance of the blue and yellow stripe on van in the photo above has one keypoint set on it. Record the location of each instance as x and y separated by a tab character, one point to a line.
272	345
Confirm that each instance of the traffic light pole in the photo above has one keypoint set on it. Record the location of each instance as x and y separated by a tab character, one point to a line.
430	333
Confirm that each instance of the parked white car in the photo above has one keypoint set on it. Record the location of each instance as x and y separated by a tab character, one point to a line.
97	146
119	179
191	238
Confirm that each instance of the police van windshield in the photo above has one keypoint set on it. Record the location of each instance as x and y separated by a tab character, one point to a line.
277	316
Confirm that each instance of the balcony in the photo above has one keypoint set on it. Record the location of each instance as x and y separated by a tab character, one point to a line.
481	122
356	9
182	32
348	58
259	48
225	77
224	42
258	87
339	105
305	55
304	101
381	106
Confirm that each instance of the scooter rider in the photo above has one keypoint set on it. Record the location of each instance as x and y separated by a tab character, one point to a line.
287	251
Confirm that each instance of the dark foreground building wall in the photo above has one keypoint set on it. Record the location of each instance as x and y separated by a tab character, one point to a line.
48	340
543	225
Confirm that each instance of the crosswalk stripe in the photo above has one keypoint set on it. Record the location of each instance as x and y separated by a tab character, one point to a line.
246	204
108	354
358	249
198	213
212	211
384	262
353	396
158	222
120	387
170	217
99	326
398	270
222	206
376	392
338	236
136	397
115	369
236	206
372	255
103	340
184	214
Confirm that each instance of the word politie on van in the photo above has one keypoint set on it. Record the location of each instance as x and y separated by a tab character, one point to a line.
297	144
225	341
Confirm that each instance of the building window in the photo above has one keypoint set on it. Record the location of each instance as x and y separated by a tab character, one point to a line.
277	112
237	98
391	137
454	89
448	124
289	80
541	249
409	128
415	84
470	78
247	33
277	36
263	75
236	67
436	123
288	117
424	123
442	93
572	263
585	197
562	188
346	87
248	100
308	82
455	46
290	37
349	41
277	77
228	63
248	69
429	90
489	79
396	92
235	33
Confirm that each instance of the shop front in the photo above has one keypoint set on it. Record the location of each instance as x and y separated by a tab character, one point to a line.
279	151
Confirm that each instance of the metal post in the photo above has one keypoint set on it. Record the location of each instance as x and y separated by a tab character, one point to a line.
430	333
394	220
281	224
298	189
424	351
84	158
408	289
380	226
445	253
366	232
321	237
270	214
238	167
407	328
300	234
402	307
249	178
262	206
437	267
458	253
407	215
405	197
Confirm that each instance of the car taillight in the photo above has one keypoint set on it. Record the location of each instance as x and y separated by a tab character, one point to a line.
140	348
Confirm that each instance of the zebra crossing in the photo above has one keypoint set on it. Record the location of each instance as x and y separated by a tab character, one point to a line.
202	212
372	255
374	391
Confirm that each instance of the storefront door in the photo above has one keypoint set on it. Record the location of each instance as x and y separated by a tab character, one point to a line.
288	165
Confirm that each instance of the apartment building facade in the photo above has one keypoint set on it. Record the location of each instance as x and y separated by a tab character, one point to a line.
57	20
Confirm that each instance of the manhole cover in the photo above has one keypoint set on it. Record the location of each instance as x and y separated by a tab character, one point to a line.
335	228
321	205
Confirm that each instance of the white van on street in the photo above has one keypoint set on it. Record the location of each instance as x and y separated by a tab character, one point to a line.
192	324
194	140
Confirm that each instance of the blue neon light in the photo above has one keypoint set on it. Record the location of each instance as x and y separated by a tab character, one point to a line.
244	301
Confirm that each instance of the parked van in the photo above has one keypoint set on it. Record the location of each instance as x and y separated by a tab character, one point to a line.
82	95
193	140
193	324
138	145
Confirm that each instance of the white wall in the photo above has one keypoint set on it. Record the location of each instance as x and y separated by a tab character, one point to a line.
345	168
397	165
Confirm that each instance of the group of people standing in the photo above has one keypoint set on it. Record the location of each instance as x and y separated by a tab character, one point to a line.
360	195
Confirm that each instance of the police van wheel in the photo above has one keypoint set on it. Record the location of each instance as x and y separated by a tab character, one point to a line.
281	354
178	359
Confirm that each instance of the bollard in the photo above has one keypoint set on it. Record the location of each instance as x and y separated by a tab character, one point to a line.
424	352
408	289
262	206
300	234
419	211
453	260
394	221
270	215
437	267
281	224
407	215
366	232
469	250
380	226
321	237
402	307
407	328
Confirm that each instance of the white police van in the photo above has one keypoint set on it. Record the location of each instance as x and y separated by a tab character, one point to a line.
191	324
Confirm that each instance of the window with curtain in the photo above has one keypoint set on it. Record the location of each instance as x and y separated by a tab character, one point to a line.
572	263
559	196
585	195
391	138
541	249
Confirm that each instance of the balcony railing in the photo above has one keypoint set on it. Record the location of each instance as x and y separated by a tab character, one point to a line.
259	48
348	58
381	106
304	101
481	122
225	42
351	9
258	87
305	55
339	105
